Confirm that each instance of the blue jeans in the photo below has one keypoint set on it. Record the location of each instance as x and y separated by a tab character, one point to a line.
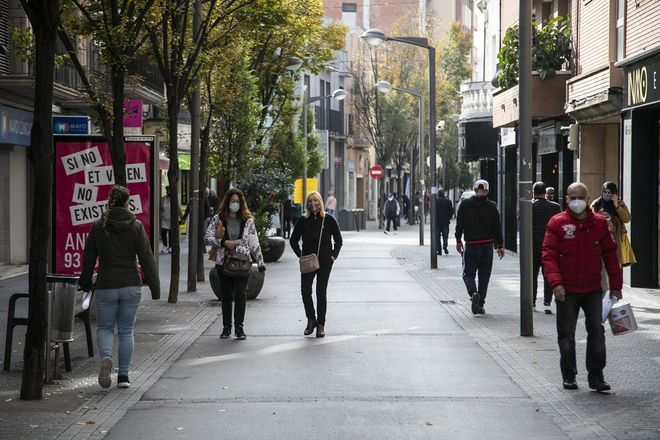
117	307
477	258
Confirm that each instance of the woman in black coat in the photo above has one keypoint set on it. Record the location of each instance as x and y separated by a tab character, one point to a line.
313	225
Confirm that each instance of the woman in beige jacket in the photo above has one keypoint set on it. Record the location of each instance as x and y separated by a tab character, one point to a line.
610	206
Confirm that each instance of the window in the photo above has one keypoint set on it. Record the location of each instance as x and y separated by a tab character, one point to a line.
349	7
620	29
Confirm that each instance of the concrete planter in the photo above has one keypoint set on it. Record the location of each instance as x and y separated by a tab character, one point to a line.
276	246
254	286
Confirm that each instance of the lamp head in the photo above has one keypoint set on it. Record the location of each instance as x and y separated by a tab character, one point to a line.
374	37
339	94
384	86
293	64
441	124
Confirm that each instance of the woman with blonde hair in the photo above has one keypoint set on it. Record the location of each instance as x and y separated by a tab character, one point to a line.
115	240
320	235
232	230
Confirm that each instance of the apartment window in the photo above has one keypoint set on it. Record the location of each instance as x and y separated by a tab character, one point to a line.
349	7
620	28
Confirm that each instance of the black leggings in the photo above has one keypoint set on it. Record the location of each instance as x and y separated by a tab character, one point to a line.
232	288
306	280
165	236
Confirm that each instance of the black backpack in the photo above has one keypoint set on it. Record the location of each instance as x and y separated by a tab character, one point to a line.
390	208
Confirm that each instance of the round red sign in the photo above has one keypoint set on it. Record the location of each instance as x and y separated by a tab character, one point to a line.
376	172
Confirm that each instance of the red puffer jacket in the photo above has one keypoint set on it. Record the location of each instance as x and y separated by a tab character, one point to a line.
573	250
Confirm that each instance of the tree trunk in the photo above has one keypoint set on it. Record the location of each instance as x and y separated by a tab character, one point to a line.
44	16
173	177
116	142
203	172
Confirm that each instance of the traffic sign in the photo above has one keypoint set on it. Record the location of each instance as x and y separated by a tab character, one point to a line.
376	172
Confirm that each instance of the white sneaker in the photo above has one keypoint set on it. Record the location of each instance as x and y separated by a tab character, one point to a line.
163	249
385	232
104	372
547	308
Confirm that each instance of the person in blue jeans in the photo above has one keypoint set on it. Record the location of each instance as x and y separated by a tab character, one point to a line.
478	219
115	240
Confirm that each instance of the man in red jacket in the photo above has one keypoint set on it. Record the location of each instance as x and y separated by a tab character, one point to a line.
577	242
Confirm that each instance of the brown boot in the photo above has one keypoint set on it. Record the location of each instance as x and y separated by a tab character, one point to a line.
320	330
311	324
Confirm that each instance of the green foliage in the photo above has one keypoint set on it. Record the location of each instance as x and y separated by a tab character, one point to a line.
22	41
551	50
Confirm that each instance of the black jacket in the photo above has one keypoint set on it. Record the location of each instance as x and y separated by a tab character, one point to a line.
542	212
444	211
309	229
478	219
115	245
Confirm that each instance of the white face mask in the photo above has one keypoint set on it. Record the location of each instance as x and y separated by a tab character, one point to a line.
390	198
577	206
234	207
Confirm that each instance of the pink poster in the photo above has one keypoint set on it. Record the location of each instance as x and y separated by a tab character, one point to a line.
133	113
83	179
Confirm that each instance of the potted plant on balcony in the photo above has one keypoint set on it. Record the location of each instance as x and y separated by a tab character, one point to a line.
551	51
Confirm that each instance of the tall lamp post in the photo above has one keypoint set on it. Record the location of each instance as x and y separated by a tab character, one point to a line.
376	37
386	87
339	95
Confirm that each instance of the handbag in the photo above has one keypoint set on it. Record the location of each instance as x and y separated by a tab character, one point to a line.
310	263
627	255
236	264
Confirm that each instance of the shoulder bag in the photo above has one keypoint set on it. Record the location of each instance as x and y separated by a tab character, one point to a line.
310	263
236	264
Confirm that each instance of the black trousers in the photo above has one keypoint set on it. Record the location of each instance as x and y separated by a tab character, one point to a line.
547	290
393	221
567	315
232	288
165	236
443	236
286	227
477	259
306	279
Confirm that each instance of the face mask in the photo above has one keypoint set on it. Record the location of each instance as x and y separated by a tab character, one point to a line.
234	207
607	197
577	206
390	198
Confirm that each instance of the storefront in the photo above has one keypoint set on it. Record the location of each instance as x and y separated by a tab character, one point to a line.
641	163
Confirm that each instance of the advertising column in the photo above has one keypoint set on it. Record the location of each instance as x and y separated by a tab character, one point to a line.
83	179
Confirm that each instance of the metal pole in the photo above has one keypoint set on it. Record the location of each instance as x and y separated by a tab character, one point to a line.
304	122
411	182
193	220
432	153
525	168
421	167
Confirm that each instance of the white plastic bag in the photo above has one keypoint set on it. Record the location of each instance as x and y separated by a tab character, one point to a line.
608	303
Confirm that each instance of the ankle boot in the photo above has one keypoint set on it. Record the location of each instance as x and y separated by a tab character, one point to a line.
311	324
320	330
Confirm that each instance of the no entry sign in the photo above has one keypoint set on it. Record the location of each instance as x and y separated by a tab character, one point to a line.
376	172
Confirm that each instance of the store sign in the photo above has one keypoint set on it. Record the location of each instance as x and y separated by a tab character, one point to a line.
642	84
83	179
15	126
71	125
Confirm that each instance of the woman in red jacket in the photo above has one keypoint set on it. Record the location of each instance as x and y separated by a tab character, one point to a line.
576	244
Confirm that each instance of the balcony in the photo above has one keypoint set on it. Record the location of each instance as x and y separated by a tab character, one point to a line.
477	100
548	99
339	124
145	82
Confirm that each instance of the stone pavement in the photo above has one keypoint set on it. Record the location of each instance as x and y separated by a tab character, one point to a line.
404	358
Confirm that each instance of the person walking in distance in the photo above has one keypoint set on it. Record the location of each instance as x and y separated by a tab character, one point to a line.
320	235
115	240
237	233
550	193
577	244
391	211
444	210
165	221
331	203
542	212
478	219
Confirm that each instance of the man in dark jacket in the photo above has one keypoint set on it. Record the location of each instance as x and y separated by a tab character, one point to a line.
542	212
576	245
479	220
444	211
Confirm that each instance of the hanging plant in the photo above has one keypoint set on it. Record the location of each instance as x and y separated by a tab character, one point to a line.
551	51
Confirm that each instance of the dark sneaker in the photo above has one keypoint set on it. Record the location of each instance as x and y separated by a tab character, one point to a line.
104	372
240	334
570	384
475	303
226	332
123	382
547	309
482	310
311	325
599	385
446	251
320	331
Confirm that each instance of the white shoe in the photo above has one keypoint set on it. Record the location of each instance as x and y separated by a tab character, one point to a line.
163	250
385	232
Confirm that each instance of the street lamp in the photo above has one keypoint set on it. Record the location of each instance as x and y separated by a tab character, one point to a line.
376	37
385	87
339	95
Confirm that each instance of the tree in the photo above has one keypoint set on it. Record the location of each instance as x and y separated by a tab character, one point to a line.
116	28
178	53
44	16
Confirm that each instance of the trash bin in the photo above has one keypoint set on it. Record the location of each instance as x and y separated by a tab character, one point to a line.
62	289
